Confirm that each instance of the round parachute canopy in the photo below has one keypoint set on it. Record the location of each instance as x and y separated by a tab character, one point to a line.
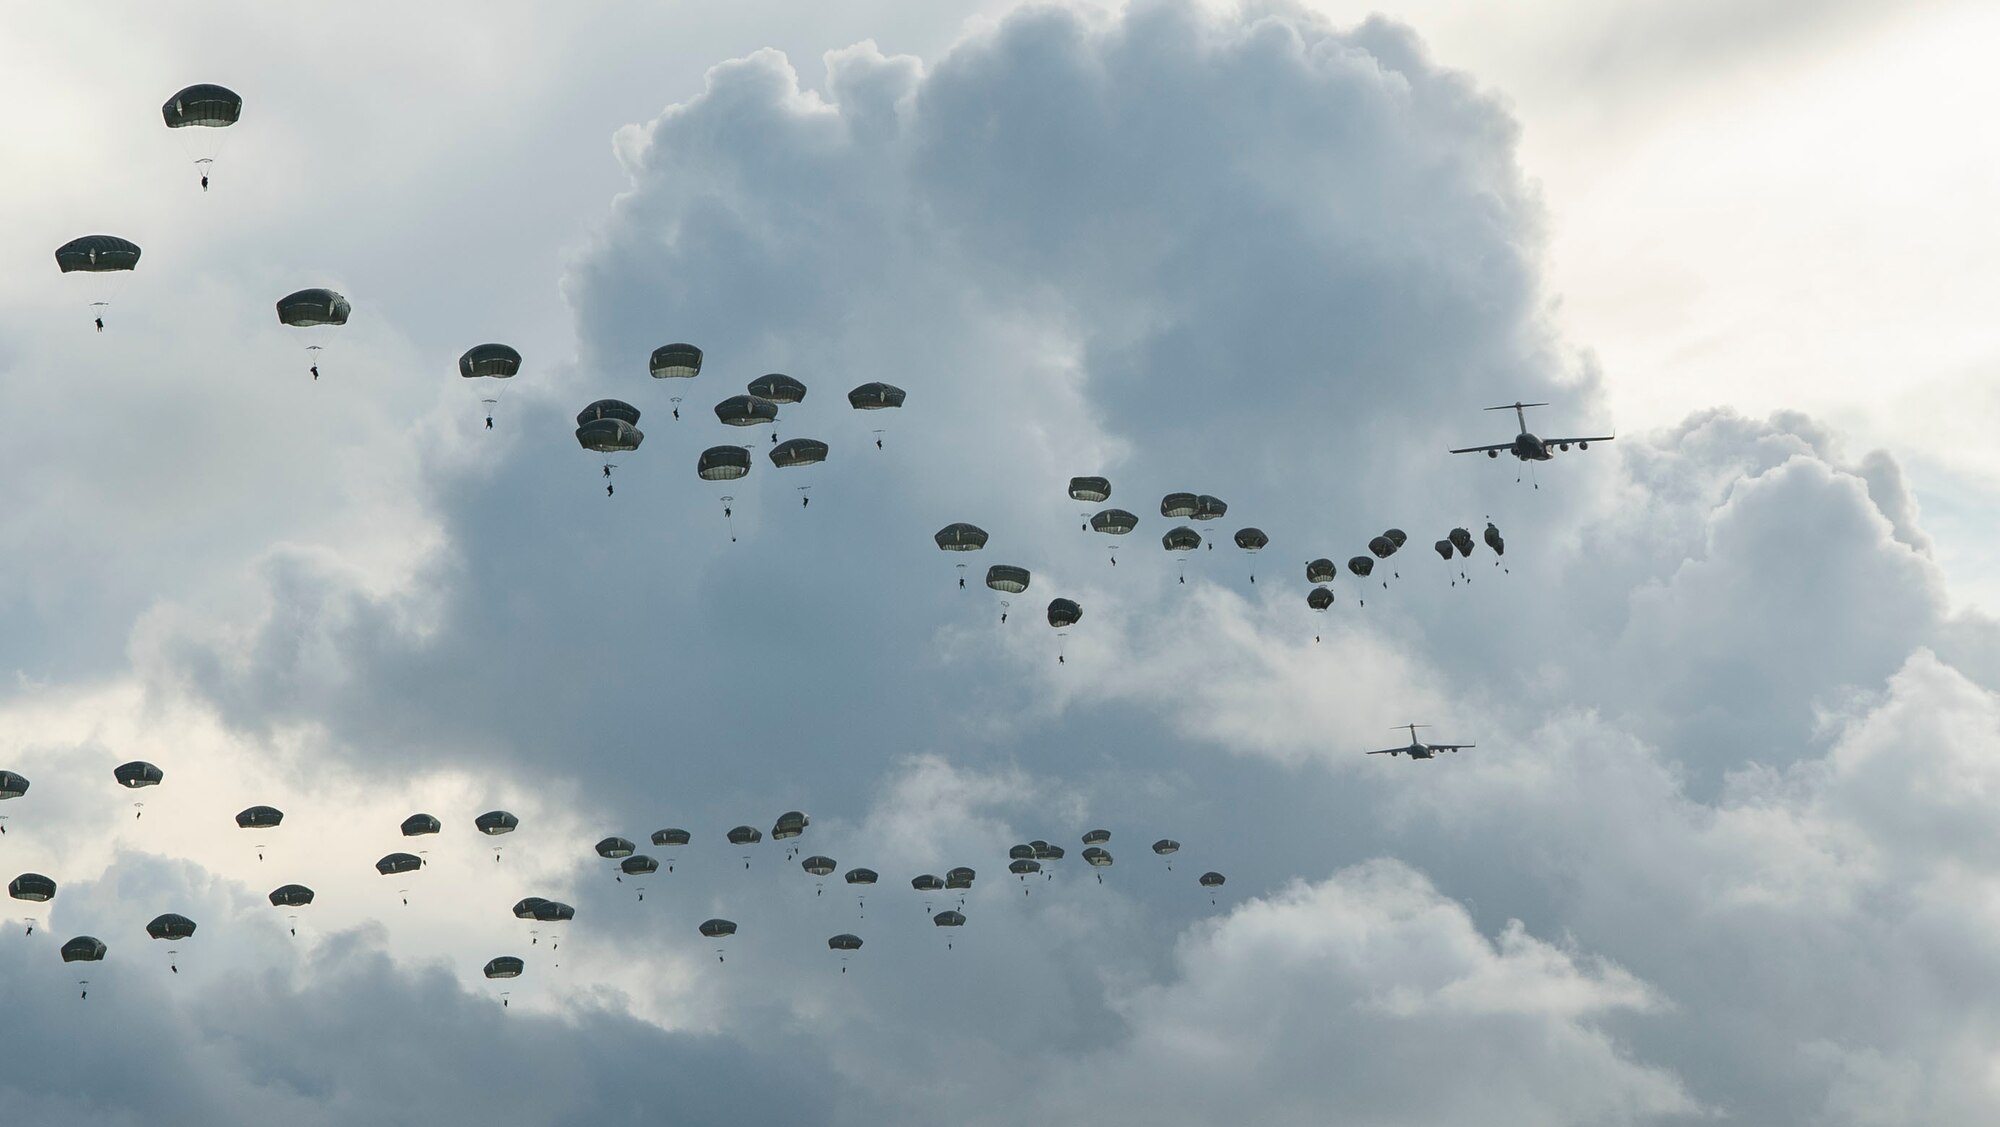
1021	852
926	883
671	837
32	886
844	942
493	823
638	865
554	911
1382	547
1251	539
614	848
790	824
745	411
608	409
12	785
1008	578
260	818
417	825
722	463
291	896
1165	846
1097	858
506	966
1397	537
1442	548
1213	880
1361	565
778	388
1024	865
1319	598
1462	540
860	876
1179	506
960	877
399	863
494	360
1181	539
960	537
949	919
83	949
203	104
1038	845
97	253
716	929
1494	541
675	362
136	774
798	452
1097	837
303	309
745	835
818	866
1050	853
170	925
1321	570
1113	522
875	396
1094	490
1063	613
1209	508
609	436
525	907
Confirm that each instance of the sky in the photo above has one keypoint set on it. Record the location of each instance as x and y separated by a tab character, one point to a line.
1725	849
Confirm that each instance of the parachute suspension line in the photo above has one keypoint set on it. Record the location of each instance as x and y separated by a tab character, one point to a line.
139	810
313	351
961	577
729	516
1062	637
1183	563
1004	604
676	401
878	446
805	495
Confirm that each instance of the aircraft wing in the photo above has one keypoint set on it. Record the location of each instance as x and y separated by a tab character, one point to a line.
1561	441
1450	747
1484	449
1390	751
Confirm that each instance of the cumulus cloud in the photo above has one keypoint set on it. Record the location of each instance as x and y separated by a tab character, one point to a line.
1691	868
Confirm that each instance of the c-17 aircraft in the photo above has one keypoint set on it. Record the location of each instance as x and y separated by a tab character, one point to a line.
1526	446
1418	749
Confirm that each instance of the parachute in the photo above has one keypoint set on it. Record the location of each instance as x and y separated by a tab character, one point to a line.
861	876
1179	506
614	847
493	823
1494	541
671	837
926	883
12	785
638	865
1021	852
104	260
1212	881
818	866
492	361
1007	578
1166	846
260	818
745	835
33	887
1461	539
1443	549
718	929
746	411
291	896
418	825
1094	490
960	878
1209	508
960	537
789	825
526	906
194	113
1319	598
554	911
1181	539
1046	852
1321	571
1361	565
675	362
1113	522
1097	837
609	426
83	949
778	388
1382	547
399	863
170	925
948	919
136	774
1064	613
875	397
844	942
1397	537
1097	858
314	308
797	452
1251	540
505	966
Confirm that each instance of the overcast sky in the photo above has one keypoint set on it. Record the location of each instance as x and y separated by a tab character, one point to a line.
1727	845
